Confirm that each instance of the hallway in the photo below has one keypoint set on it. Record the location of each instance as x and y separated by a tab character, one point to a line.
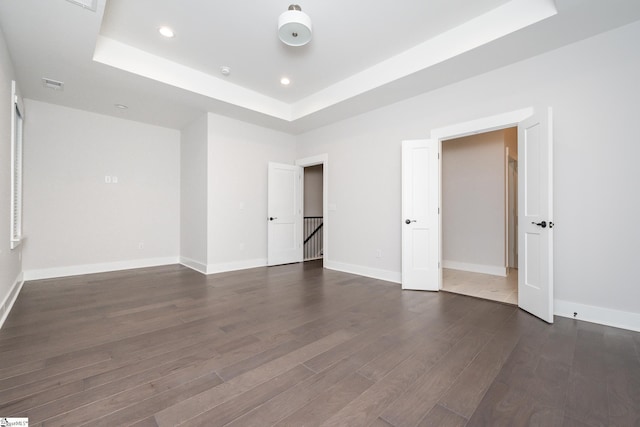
495	288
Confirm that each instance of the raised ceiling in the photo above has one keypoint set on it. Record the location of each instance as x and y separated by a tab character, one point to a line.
363	54
349	36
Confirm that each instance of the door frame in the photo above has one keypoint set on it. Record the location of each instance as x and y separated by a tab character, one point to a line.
320	159
459	130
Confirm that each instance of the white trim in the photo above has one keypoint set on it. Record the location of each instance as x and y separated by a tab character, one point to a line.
375	273
198	266
76	270
494	270
482	125
236	265
472	127
140	62
11	298
17	168
600	315
321	159
506	205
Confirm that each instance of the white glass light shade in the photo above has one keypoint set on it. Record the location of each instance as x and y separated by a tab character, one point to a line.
294	28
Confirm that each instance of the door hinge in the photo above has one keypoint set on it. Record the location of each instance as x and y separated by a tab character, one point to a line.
438	264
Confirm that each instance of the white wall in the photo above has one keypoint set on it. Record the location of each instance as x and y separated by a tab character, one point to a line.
592	86
73	220
473	203
238	157
193	194
10	260
313	190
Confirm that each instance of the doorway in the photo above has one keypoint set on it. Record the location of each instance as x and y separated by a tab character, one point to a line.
322	161
313	220
285	199
421	201
479	215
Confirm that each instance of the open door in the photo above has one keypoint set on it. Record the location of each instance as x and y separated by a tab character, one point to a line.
535	234
420	211
284	210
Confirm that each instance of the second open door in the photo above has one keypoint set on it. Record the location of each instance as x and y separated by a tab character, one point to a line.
284	214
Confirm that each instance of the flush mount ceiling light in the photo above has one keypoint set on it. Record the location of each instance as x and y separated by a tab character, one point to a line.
285	81
294	27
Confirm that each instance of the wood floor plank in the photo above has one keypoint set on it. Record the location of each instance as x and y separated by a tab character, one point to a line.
301	345
245	402
623	379
417	334
328	403
503	406
423	394
141	412
370	404
84	412
295	398
467	391
109	390
196	405
439	416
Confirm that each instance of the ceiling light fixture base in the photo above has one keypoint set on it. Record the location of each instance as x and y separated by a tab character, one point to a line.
294	27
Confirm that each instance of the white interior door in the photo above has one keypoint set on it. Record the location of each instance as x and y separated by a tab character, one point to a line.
535	234
420	210
284	206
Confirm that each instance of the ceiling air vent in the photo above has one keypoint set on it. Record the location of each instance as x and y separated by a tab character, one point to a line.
87	4
52	84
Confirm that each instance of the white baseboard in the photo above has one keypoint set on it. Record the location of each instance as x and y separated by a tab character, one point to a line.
76	270
494	270
603	316
11	298
203	268
236	265
198	266
389	276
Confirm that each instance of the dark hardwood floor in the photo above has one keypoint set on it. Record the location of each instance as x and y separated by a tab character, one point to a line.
297	345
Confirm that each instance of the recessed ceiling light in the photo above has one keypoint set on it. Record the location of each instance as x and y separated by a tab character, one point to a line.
285	81
166	31
120	106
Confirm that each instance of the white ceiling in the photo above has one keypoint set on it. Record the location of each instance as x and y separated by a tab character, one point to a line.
363	54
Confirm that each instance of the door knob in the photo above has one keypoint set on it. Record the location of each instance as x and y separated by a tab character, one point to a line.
271	218
542	224
409	221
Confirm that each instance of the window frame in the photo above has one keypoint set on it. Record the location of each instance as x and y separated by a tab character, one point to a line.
17	138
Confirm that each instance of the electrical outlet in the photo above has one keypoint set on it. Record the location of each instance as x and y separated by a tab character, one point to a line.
114	179
141	245
379	253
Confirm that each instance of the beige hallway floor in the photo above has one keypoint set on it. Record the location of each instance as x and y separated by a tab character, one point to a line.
495	288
